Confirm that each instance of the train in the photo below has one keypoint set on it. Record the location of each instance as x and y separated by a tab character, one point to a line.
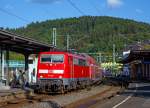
60	71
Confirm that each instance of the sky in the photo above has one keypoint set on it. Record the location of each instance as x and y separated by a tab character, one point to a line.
19	13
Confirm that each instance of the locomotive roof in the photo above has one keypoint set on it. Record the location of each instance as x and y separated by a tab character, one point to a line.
63	52
82	56
54	52
77	55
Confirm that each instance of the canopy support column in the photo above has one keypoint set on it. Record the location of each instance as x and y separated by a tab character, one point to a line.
26	67
7	68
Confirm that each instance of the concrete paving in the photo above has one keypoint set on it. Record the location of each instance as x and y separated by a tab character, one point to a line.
3	87
137	96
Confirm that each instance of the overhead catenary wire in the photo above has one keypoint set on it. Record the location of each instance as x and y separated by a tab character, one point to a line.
72	43
74	6
14	15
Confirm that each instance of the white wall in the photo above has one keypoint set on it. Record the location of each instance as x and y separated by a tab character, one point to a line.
32	66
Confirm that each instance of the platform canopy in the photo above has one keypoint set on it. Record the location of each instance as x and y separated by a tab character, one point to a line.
143	55
17	43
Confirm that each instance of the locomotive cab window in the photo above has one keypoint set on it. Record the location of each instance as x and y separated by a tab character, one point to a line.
82	62
75	61
52	58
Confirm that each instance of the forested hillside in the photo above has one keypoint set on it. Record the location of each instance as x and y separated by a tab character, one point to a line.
89	33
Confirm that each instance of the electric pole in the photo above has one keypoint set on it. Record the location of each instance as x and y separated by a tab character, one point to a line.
100	57
67	42
114	54
114	58
54	37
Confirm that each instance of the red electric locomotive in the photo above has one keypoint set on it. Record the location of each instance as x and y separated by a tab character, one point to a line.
63	71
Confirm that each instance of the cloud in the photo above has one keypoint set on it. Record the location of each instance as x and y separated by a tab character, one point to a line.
139	11
45	1
114	3
9	7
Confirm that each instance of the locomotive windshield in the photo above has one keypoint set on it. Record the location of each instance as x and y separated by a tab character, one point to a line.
52	58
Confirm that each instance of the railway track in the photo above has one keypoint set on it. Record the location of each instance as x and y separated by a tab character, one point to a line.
15	103
31	98
55	99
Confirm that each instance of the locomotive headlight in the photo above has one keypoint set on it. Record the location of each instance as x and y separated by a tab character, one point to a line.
58	71
41	76
60	76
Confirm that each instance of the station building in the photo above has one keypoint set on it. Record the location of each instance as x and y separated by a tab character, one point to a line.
139	64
